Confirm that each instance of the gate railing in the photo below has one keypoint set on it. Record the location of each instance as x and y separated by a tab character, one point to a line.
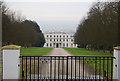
66	67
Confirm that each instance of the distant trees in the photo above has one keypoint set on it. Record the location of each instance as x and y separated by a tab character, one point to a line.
100	29
16	30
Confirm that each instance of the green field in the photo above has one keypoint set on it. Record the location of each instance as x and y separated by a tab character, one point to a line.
34	51
84	52
0	68
95	64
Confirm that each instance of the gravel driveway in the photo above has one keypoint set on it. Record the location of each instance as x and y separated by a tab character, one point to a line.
58	68
59	52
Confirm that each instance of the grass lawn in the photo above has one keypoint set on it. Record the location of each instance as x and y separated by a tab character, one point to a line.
92	62
84	52
34	51
0	68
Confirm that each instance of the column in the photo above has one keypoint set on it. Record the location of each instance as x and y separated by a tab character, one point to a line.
116	64
11	61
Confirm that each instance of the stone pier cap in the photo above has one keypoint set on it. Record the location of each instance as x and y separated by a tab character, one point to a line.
11	47
117	48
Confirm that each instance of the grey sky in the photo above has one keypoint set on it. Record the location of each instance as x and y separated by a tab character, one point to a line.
53	16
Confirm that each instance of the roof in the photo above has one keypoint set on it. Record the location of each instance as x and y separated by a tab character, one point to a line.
56	32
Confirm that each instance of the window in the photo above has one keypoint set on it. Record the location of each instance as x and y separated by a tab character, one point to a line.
54	39
60	35
54	35
57	35
60	39
67	39
47	36
67	45
47	44
50	44
50	35
50	39
63	39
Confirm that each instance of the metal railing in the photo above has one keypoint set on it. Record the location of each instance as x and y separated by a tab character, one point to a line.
66	67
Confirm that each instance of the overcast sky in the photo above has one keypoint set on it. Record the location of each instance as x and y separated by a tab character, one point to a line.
52	15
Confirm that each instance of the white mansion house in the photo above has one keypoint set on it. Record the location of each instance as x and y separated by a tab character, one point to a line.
59	39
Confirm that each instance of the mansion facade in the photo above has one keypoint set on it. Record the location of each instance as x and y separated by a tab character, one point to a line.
59	40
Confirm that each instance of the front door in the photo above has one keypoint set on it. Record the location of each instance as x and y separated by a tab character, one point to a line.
57	45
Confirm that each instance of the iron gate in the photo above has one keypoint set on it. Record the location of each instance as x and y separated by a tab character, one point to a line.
66	68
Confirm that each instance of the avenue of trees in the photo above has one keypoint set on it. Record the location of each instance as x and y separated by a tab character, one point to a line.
100	29
18	30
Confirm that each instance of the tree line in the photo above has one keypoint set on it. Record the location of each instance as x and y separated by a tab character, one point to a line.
100	28
18	30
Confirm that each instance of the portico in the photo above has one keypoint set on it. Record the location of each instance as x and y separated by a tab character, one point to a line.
57	45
